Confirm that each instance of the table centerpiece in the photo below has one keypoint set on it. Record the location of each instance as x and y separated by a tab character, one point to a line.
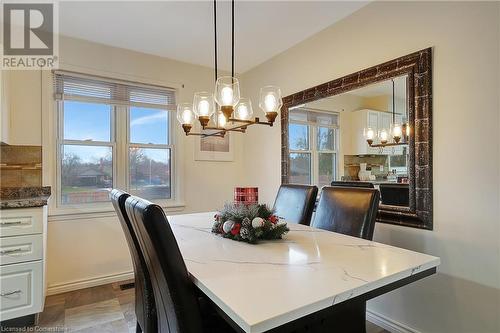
248	223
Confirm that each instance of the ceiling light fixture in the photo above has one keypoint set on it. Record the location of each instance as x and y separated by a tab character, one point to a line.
227	110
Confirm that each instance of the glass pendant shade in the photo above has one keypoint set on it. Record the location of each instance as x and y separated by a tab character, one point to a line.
203	104
396	132
227	91
369	134
270	99
185	114
243	109
383	136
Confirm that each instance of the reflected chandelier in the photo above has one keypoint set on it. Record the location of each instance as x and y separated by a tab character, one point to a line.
400	132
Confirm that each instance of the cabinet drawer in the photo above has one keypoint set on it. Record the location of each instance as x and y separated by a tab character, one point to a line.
21	289
19	249
21	221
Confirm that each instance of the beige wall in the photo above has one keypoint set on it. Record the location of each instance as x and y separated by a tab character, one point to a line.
465	295
84	248
4	105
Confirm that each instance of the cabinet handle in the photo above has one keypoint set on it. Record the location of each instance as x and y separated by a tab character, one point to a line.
8	293
10	223
11	251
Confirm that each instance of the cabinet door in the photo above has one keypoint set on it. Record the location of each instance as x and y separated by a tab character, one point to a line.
373	120
384	121
21	289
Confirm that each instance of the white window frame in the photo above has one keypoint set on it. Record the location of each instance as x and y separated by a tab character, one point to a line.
120	142
313	145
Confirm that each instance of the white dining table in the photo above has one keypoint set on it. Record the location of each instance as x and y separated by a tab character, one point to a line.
260	287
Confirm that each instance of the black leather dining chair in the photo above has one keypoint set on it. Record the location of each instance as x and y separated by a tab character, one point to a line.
295	203
352	184
178	307
145	310
348	210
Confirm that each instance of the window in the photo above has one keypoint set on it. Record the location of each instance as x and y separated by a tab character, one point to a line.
313	145
112	134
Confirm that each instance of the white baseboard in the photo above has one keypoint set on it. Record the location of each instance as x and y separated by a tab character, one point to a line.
388	324
60	288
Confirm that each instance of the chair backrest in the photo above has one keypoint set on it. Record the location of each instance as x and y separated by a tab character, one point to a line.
145	309
347	210
295	203
395	194
352	184
177	306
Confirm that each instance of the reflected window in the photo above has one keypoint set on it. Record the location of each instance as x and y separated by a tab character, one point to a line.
300	168
313	146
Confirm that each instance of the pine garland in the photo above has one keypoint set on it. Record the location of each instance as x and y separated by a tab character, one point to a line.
248	223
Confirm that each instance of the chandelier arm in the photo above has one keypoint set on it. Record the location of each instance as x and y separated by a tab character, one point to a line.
256	121
215	38
240	128
232	38
203	134
390	144
222	129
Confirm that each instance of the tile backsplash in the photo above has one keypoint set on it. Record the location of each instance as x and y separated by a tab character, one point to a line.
20	166
374	163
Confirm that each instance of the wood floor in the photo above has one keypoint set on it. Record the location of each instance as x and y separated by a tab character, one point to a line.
100	309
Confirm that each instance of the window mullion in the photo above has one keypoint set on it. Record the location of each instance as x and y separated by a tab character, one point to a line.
121	129
314	155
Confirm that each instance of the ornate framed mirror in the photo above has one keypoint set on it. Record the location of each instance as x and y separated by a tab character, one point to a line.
324	136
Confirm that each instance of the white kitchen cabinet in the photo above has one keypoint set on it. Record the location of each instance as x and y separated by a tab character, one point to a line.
20	289
22	261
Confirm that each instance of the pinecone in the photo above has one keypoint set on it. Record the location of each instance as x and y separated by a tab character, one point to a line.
246	222
244	232
217	226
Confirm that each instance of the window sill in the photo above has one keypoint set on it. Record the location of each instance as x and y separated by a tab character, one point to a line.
101	211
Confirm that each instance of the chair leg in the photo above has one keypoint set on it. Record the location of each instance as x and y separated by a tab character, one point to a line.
138	328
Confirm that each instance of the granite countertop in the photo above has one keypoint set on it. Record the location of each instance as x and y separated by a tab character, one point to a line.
23	197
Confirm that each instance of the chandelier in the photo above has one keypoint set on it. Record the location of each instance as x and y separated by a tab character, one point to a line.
227	110
400	133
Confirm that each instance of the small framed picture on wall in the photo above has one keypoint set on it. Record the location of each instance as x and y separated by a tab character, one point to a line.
214	148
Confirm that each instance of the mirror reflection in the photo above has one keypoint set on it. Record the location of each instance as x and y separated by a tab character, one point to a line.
358	136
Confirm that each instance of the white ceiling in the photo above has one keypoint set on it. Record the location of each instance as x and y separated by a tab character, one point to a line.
183	30
383	88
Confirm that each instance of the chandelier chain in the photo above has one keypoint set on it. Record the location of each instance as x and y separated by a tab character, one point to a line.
393	104
215	38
